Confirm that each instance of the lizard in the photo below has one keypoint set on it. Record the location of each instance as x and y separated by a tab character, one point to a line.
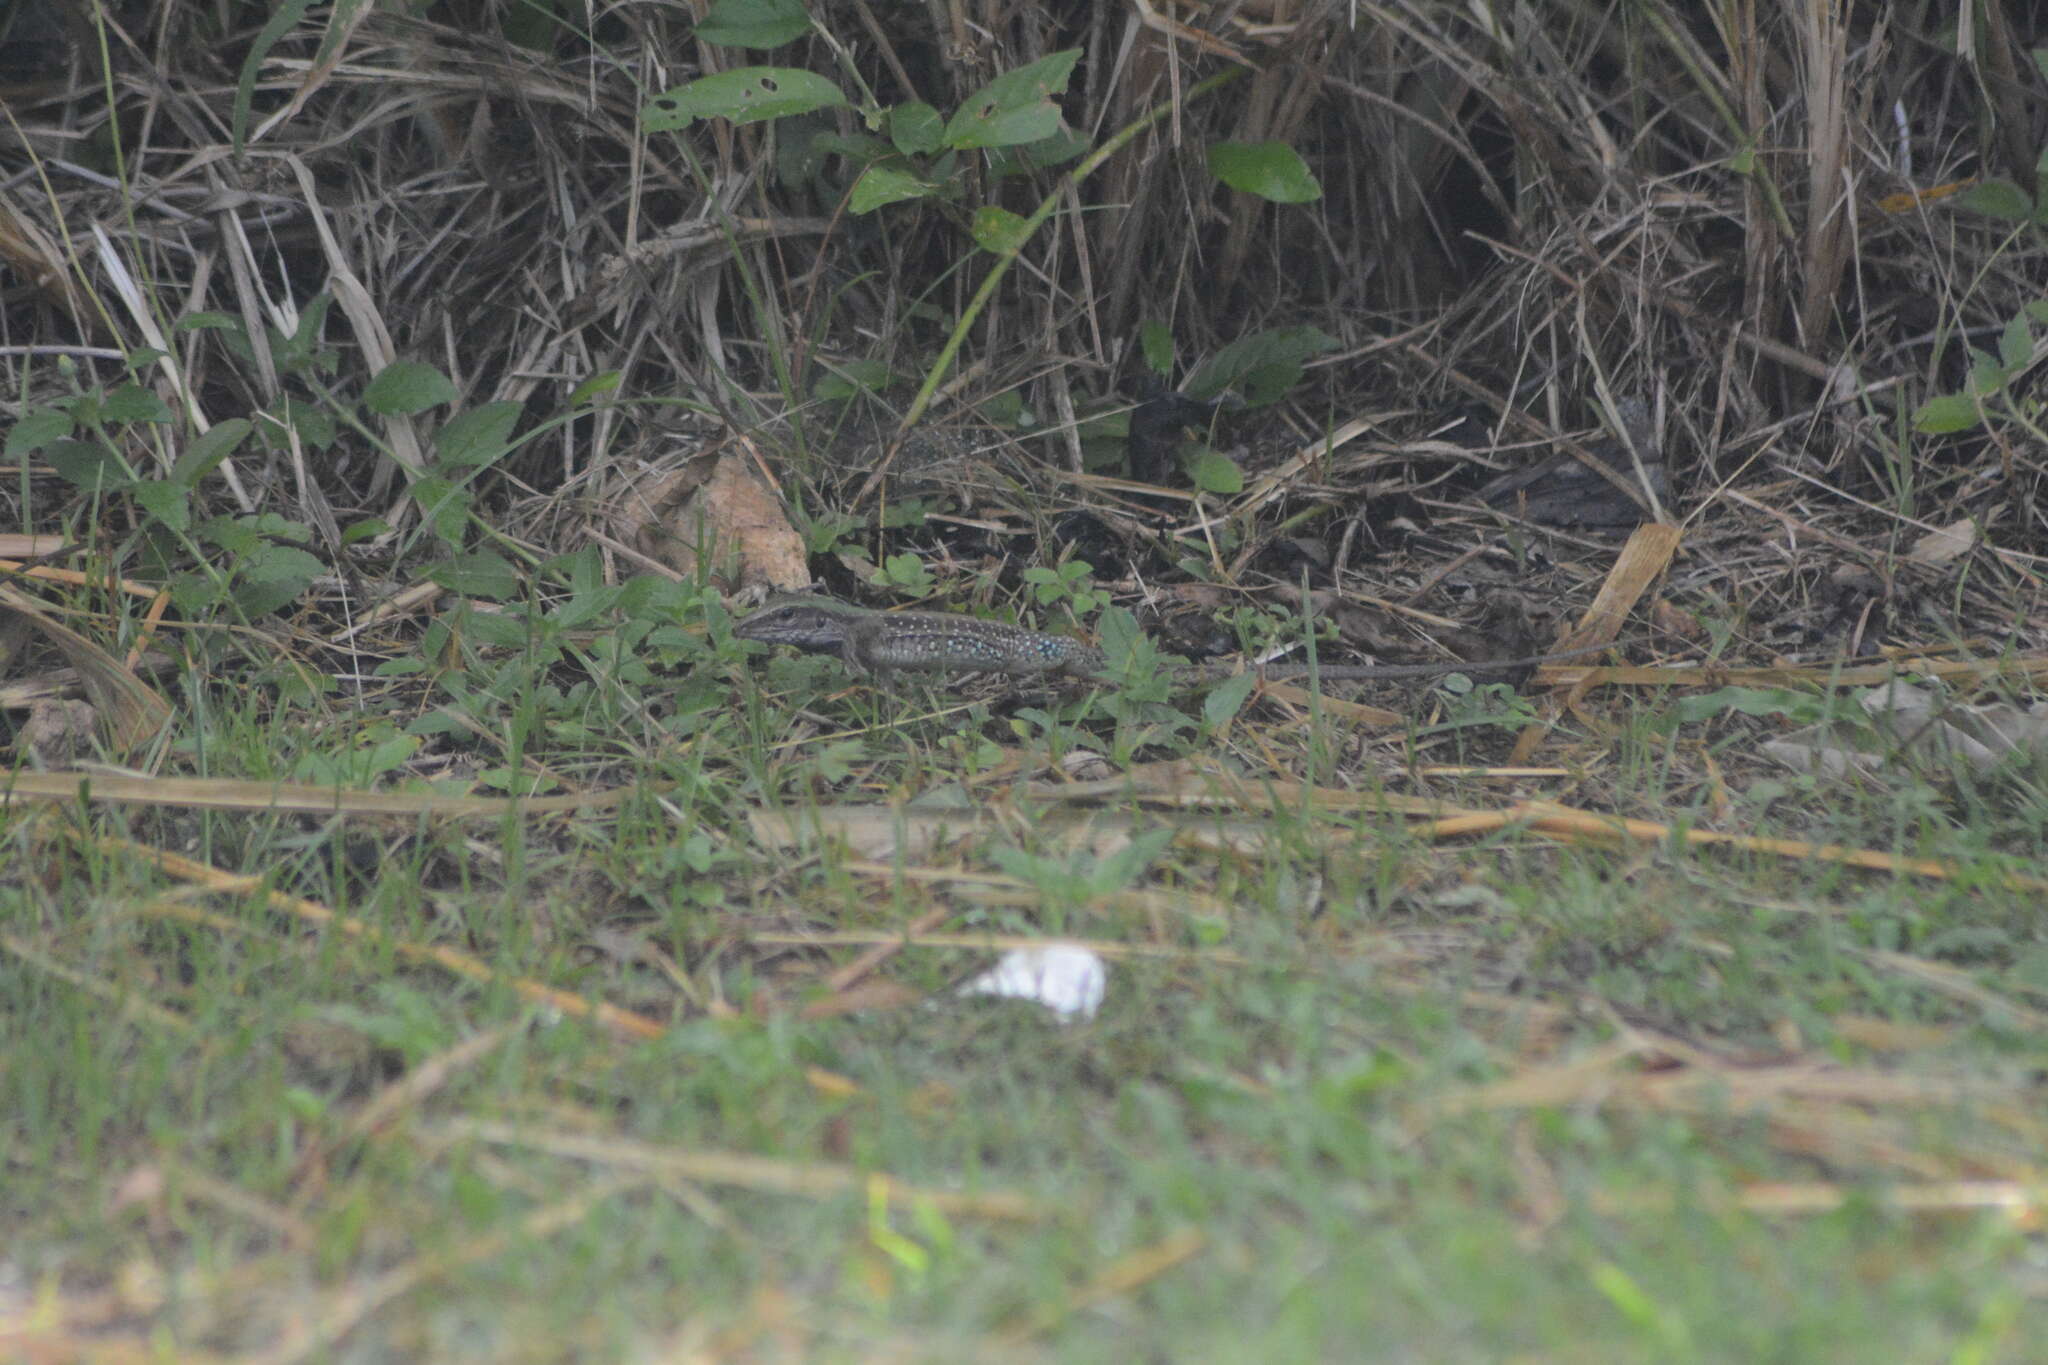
881	642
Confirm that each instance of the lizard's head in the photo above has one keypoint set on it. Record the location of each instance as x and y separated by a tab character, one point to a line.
806	625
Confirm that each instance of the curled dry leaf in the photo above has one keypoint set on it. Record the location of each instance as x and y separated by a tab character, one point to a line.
1919	728
1945	543
130	710
1674	622
57	732
722	513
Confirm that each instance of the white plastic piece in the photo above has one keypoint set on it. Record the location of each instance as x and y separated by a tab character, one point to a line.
1066	979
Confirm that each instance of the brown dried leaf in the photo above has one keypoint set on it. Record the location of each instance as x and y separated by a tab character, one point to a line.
130	710
724	514
1945	543
57	731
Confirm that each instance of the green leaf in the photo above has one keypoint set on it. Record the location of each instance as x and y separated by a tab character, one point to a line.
169	503
849	377
800	155
1120	636
751	94
2016	345
1263	366
905	571
1779	702
473	439
887	183
445	506
133	403
208	322
2030	967
1639	1308
485	575
369	529
315	425
1006	409
604	381
584	607
1943	416
582	570
38	429
533	24
901	512
87	464
1271	170
1155	340
209	450
1986	377
998	230
273	576
405	387
287	18
859	148
834	761
1062	146
1998	199
278	527
499	629
300	352
758	24
916	128
1216	473
1227	698
194	594
1014	108
233	535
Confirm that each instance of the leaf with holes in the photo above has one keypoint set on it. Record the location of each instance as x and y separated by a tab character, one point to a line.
751	94
1015	107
